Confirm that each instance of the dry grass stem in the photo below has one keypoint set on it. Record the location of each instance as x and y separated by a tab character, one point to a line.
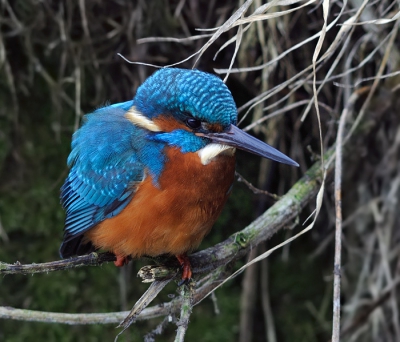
300	70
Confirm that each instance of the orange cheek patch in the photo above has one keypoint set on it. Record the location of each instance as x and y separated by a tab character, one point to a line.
168	124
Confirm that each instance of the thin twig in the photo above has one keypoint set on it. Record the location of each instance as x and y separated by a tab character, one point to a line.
215	303
338	206
255	190
143	302
158	330
363	316
186	311
248	300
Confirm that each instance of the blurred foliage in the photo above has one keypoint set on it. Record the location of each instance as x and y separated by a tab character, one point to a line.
59	60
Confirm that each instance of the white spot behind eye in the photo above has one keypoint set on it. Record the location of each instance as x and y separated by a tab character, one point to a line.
138	119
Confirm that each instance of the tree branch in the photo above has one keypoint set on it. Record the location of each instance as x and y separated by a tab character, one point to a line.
92	259
151	293
206	261
159	310
186	310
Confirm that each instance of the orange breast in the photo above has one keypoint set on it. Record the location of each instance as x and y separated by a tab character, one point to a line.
174	217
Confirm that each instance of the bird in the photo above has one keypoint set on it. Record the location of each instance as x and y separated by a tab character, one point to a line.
150	176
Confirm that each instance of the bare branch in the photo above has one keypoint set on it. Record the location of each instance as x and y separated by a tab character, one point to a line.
186	310
159	310
339	221
144	301
92	259
369	309
255	190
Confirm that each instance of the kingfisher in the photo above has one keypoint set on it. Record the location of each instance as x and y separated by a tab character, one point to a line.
150	176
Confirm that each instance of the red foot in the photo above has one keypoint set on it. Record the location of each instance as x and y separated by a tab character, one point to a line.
121	261
186	268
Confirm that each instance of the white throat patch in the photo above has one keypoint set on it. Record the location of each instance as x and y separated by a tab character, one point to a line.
209	152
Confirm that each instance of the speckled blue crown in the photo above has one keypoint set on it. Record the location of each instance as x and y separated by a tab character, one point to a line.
201	94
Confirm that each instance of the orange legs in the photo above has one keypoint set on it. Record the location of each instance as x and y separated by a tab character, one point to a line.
182	258
121	261
186	268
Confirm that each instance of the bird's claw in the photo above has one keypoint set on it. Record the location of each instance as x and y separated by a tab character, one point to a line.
185	281
186	269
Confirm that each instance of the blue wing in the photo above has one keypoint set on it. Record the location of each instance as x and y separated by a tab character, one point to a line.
105	165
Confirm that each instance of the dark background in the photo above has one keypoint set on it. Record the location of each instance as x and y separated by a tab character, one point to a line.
58	60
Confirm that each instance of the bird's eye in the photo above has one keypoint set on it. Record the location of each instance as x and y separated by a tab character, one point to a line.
193	123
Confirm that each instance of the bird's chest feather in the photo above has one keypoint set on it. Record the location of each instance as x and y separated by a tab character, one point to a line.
174	216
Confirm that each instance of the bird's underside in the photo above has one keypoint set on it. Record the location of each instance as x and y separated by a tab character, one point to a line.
173	217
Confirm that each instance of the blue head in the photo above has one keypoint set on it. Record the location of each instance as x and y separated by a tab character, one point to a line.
204	112
186	93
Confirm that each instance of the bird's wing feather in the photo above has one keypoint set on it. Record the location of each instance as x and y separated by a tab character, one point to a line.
104	169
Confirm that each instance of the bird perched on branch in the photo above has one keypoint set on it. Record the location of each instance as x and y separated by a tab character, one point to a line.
150	176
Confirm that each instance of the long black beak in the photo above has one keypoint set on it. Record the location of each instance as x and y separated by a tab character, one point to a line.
235	137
